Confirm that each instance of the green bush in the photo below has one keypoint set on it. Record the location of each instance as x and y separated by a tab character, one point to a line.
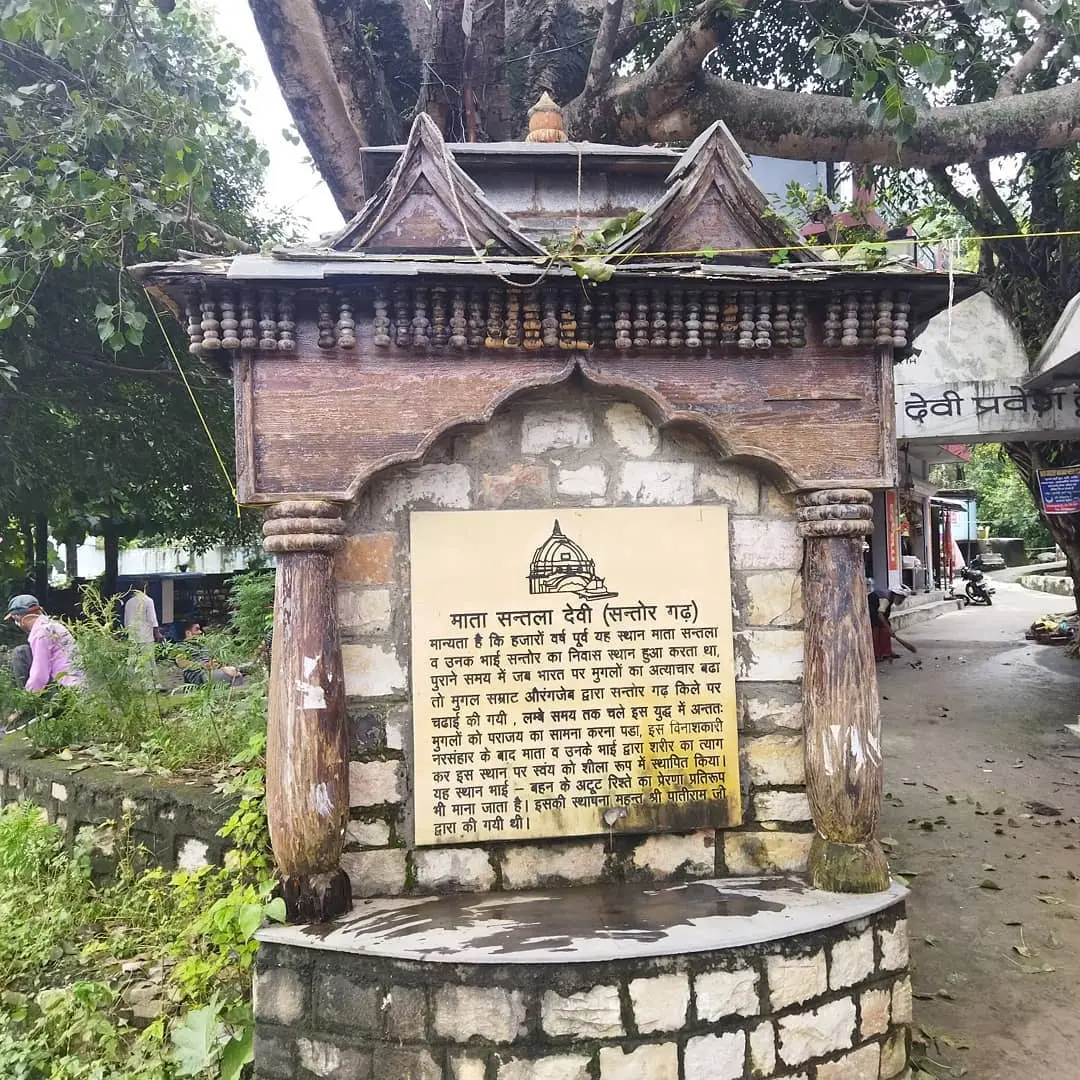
146	977
119	712
252	598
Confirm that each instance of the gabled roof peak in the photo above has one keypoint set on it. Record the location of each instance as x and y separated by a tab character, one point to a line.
429	204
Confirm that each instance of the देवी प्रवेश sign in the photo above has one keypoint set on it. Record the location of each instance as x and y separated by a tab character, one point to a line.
573	673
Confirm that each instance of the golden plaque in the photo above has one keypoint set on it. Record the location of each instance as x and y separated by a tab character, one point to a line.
573	673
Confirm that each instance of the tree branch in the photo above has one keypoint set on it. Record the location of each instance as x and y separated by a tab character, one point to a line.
981	171
218	235
603	53
824	127
1040	49
966	207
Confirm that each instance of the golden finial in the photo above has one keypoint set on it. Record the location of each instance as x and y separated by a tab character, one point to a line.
546	121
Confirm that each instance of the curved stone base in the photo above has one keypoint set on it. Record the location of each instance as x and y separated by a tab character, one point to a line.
610	983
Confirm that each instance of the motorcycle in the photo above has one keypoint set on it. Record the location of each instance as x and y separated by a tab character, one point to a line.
977	591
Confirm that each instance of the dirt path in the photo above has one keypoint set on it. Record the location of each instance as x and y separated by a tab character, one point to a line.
971	738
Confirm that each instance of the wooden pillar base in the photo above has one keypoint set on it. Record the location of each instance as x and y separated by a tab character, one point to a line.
315	898
851	868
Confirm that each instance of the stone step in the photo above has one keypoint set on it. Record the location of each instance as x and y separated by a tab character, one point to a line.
905	617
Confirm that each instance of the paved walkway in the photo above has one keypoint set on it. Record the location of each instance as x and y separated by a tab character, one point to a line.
973	734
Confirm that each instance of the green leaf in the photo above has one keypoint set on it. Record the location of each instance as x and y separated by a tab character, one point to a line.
249	918
275	910
238	1052
196	1041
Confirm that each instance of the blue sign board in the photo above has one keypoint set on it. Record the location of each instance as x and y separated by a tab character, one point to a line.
1059	490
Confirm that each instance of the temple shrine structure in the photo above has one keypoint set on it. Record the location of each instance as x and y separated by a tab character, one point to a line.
614	819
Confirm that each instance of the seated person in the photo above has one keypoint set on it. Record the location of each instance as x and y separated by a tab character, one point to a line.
48	659
198	666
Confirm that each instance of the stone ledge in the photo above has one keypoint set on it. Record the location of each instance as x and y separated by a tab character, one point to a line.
587	925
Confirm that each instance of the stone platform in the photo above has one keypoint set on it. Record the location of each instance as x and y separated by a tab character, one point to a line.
709	980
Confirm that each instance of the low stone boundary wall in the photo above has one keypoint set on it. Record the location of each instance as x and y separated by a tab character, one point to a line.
832	1005
175	822
1058	584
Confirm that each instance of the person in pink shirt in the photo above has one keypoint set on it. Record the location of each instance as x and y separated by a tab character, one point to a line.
52	648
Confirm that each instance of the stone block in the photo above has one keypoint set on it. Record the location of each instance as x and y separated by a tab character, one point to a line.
774	760
333	1062
776	503
716	1057
631	430
765	544
901	1002
766	852
520	485
762	1051
861	1064
405	1011
364	611
366	560
795	979
591	1014
874	1009
588	480
279	996
379	872
404	1063
851	961
372	671
773	598
59	792
656	483
814	1034
454	869
398	726
491	1013
894	947
192	854
532	866
894	1055
557	1067
660	1003
367	833
366	735
721	994
467	1068
275	1051
732	484
666	855
769	655
658	1062
546	430
376	783
344	1002
781	806
767	711
444	486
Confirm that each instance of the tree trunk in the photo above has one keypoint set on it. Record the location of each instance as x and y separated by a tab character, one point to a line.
111	536
71	559
41	558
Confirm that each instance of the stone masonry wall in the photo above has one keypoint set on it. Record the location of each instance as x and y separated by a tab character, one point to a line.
175	823
571	449
831	1005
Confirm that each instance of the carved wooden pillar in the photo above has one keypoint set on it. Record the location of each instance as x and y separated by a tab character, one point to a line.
307	751
840	695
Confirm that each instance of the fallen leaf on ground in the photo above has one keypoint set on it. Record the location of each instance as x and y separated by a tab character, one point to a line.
931	940
1048	898
990	884
1043	809
1032	969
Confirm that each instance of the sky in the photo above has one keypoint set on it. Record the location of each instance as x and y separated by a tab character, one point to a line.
291	182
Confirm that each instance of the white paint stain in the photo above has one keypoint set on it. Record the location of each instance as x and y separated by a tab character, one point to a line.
320	796
311	696
310	663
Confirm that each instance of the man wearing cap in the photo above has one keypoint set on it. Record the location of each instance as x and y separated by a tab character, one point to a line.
52	648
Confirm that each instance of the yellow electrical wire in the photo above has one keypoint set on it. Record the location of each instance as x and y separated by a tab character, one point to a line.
195	402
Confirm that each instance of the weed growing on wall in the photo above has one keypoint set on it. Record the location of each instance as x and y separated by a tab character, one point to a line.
146	977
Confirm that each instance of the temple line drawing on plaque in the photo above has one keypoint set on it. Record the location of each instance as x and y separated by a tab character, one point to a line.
560	565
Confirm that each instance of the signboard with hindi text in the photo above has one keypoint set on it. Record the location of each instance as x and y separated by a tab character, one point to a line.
1059	490
573	673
